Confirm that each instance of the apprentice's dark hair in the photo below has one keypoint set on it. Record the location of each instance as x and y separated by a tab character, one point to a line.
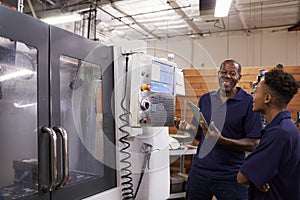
282	85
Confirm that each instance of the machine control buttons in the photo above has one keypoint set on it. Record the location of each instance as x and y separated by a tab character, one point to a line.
144	120
146	87
145	104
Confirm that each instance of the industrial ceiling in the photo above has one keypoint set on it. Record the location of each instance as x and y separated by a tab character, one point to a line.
159	19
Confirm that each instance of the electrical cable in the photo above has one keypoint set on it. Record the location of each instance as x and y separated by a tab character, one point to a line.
127	185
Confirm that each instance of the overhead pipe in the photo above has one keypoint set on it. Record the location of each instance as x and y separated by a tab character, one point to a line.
242	18
234	30
31	8
156	11
117	18
275	2
180	12
136	22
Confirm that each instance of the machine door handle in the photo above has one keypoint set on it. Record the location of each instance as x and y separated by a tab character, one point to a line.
53	153
64	136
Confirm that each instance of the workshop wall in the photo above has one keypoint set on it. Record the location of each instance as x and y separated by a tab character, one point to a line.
257	48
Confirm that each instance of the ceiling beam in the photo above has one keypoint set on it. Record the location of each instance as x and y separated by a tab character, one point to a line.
31	8
120	20
46	7
144	28
180	12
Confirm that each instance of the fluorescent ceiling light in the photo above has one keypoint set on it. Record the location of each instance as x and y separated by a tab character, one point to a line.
23	72
60	19
17	105
169	28
222	8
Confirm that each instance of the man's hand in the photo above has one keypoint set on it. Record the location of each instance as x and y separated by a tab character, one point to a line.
212	133
183	125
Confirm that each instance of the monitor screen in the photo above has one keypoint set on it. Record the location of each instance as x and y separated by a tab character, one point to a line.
162	80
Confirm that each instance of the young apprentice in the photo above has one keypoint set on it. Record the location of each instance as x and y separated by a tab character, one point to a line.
230	108
273	169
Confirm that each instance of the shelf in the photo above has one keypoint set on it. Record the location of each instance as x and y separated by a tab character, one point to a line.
177	195
179	136
180	152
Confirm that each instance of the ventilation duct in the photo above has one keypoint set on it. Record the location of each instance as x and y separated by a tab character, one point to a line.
207	7
296	27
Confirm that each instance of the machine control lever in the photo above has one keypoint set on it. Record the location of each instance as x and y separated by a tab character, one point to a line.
147	149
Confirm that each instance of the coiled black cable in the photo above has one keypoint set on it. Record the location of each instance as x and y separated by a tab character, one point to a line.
127	185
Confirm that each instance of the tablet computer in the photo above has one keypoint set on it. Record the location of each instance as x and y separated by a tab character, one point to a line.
197	113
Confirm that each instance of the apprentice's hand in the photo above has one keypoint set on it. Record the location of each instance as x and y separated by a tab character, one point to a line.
177	122
264	188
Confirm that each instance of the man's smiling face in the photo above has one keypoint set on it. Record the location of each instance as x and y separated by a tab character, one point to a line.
228	76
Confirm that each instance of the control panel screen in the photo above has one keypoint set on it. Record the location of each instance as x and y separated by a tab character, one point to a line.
162	80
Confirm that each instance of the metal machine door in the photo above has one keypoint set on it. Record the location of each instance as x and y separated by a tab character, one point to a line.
81	92
57	129
24	105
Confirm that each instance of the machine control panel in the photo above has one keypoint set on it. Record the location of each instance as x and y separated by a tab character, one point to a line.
152	98
157	109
